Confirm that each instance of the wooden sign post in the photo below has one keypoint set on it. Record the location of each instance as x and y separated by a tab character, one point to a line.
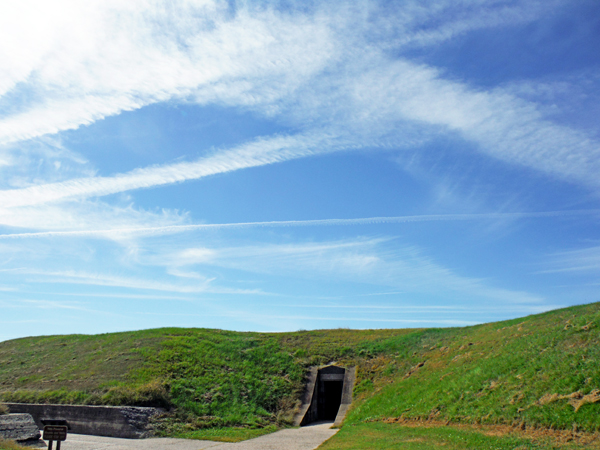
55	430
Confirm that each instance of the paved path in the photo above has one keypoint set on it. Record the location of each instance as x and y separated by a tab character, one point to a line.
305	438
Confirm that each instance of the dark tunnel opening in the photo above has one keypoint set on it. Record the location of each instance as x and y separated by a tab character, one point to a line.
327	395
331	399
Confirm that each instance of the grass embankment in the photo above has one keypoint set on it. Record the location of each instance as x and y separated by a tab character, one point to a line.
540	371
212	380
379	436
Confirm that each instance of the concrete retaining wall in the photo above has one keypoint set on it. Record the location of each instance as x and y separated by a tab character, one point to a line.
349	380
113	421
305	414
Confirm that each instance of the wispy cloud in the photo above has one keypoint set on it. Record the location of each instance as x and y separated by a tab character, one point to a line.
105	295
83	216
377	261
426	309
98	279
384	96
303	68
87	62
246	315
420	322
419	24
53	305
172	229
257	153
582	261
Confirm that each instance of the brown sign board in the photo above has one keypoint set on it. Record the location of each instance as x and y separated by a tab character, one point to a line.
55	433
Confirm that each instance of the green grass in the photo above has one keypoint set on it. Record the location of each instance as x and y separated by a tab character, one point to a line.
541	370
228	434
208	378
380	436
10	445
499	373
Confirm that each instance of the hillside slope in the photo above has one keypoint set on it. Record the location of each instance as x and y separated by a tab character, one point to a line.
541	370
210	378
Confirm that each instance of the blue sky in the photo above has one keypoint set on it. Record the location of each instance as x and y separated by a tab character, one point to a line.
296	165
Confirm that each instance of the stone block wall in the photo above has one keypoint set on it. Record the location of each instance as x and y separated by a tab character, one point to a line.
19	427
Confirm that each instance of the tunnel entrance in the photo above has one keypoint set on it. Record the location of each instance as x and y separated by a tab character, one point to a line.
330	399
326	395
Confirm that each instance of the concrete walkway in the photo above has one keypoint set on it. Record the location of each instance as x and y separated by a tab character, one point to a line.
305	438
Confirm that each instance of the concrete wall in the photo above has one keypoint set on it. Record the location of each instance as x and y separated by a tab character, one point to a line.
305	413
112	421
349	380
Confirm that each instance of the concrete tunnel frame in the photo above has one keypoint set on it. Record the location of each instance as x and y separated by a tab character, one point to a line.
328	395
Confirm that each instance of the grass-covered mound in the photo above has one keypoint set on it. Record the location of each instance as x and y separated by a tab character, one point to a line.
208	378
541	370
377	435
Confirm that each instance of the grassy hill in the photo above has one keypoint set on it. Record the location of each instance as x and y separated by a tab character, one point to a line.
209	378
538	371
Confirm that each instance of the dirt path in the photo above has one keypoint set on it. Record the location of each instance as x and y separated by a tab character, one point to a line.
305	438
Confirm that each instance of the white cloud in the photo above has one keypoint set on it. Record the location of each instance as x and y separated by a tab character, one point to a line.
90	60
188	274
195	256
75	219
100	279
268	318
409	322
257	153
23	217
103	58
375	261
381	96
105	295
582	261
422	24
79	217
429	309
49	304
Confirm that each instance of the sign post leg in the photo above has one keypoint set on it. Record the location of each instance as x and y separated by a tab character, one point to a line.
50	445
57	445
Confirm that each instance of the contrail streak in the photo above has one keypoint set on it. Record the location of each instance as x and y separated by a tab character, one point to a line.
173	229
